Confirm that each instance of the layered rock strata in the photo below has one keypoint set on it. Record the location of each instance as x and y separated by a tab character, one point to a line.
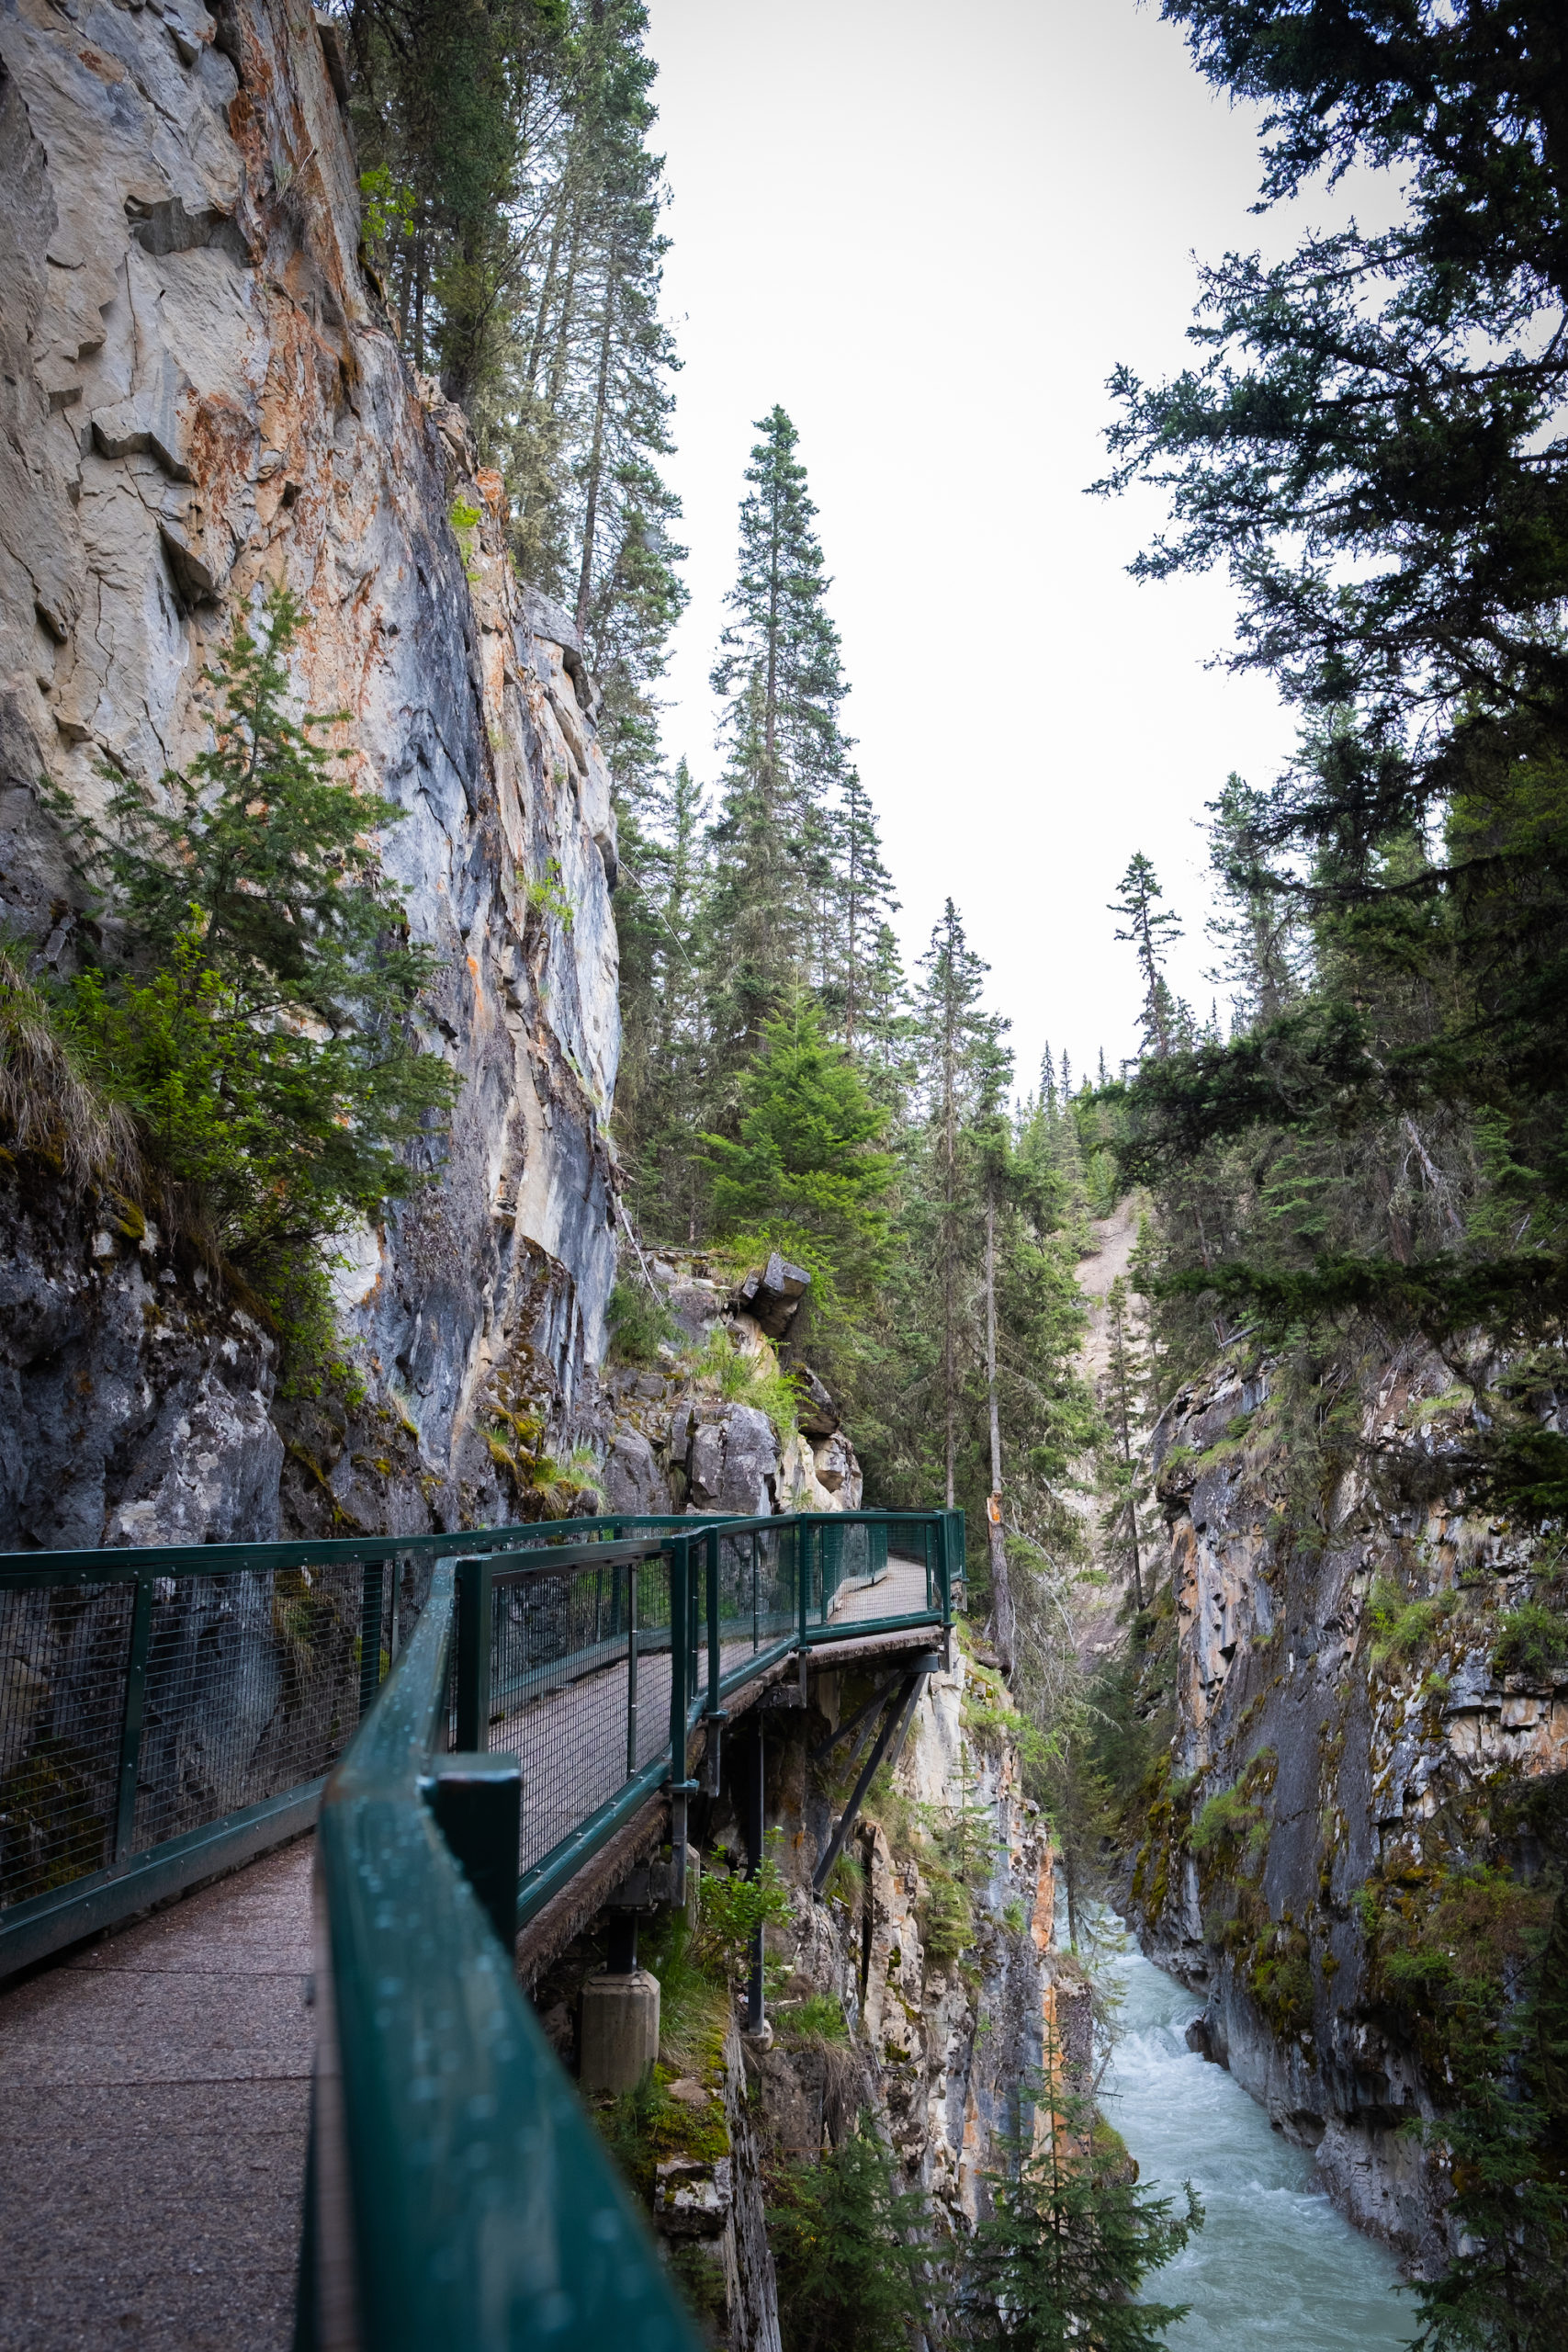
203	400
1344	1744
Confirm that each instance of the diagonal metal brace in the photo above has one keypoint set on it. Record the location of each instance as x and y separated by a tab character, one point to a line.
889	1743
862	1714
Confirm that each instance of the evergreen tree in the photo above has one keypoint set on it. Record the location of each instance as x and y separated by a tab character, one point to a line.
779	677
805	1176
967	1068
849	2245
856	904
1122	1402
1070	2238
1151	931
256	1022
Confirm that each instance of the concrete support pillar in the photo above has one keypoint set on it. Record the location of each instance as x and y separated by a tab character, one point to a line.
619	2040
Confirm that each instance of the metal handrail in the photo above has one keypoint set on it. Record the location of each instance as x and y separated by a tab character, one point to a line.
459	2194
117	1855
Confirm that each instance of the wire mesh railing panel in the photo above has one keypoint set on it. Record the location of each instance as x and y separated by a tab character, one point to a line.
580	1687
778	1593
252	1688
65	1654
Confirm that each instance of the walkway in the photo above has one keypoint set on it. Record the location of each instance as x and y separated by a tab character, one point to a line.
154	2095
154	2090
900	1593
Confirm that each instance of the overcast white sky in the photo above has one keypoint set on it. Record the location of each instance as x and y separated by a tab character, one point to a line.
930	232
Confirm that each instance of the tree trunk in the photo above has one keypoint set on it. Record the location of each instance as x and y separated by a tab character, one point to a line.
596	454
1004	1624
949	1246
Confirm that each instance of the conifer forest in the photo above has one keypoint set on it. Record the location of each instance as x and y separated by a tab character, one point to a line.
1243	1347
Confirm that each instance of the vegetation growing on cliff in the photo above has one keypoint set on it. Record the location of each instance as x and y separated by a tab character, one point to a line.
1070	2238
1370	440
243	1042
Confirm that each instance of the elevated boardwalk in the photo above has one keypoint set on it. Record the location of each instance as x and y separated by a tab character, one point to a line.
155	2083
154	2102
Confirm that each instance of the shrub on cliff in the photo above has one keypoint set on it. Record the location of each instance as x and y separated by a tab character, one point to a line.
250	1009
848	2243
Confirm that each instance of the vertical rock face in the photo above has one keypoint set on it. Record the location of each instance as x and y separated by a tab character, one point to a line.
1345	1745
202	400
927	1998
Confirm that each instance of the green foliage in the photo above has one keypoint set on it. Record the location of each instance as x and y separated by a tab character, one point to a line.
819	2018
732	1910
1069	2240
848	2243
1399	1627
1235	1817
805	1166
546	897
638	1322
254	1024
744	1379
1471	1962
1532	1640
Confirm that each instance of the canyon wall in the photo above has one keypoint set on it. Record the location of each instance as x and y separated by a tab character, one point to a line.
888	1995
202	400
1351	1759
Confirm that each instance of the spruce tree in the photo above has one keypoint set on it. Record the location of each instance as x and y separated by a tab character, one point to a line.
1151	931
1070	2237
255	1018
779	677
806	1175
850	2247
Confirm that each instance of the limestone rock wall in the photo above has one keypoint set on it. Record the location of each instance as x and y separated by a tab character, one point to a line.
1354	1761
941	2037
672	1441
202	399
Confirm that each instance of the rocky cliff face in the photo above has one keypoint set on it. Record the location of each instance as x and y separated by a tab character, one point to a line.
202	400
1346	1747
938	2007
673	1442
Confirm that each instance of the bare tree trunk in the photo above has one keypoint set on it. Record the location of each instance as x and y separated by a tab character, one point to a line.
596	455
1004	1624
949	1249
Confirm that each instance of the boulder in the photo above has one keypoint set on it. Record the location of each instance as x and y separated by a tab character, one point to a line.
735	1463
838	1471
772	1294
817	1413
633	1483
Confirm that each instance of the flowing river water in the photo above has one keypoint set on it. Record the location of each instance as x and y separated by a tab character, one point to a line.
1275	2264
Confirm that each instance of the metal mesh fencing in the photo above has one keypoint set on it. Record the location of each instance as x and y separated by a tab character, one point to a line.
758	1594
252	1688
580	1686
64	1651
132	1711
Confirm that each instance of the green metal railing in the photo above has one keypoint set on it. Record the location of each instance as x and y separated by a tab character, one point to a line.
166	1713
457	2194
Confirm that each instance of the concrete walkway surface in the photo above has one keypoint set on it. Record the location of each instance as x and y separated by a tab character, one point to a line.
154	2100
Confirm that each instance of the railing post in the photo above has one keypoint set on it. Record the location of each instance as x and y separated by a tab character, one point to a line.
717	1715
634	1570
131	1720
476	1585
477	1803
370	1635
680	1652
